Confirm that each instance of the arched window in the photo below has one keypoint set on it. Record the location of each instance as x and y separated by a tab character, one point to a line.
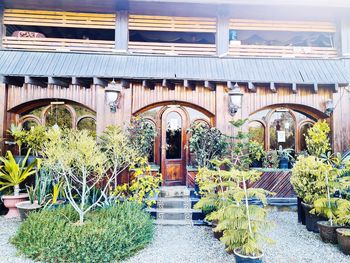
29	123
257	131
280	126
282	129
87	123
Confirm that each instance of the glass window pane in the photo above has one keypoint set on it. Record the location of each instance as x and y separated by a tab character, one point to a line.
173	135
59	115
28	124
87	124
257	132
282	130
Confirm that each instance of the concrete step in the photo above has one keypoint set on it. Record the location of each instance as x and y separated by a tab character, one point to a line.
174	202
174	222
175	213
174	191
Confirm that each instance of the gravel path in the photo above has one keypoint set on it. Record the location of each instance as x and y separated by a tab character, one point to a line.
185	244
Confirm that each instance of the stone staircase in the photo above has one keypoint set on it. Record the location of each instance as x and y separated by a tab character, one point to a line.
175	207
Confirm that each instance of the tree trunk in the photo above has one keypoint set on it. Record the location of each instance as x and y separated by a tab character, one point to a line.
16	190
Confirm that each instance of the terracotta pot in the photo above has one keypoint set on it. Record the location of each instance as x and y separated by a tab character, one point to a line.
344	240
10	202
247	259
27	207
328	233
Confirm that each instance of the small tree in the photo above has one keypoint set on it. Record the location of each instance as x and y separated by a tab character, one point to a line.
141	134
85	165
36	138
206	143
317	139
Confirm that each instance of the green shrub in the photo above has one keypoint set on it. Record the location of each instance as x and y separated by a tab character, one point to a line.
108	234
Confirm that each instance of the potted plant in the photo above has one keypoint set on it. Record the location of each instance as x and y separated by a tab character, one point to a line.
38	195
214	184
19	135
35	140
256	153
11	175
309	183
285	157
331	208
242	223
343	235
271	160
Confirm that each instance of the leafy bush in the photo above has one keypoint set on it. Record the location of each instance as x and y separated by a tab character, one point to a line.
256	150
317	138
309	178
206	143
108	234
141	134
271	160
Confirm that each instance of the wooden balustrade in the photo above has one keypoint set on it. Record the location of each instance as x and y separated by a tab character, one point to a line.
237	50
172	48
59	44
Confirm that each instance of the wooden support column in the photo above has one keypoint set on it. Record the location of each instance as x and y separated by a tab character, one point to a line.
222	35
122	31
104	116
222	115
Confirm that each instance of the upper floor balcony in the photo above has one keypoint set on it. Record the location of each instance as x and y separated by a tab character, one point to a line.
167	35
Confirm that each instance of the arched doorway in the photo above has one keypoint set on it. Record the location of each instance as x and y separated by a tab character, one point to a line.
171	153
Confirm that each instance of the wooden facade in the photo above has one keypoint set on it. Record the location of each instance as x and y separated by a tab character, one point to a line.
222	35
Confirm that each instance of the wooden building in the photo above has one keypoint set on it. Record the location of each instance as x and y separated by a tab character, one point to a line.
177	62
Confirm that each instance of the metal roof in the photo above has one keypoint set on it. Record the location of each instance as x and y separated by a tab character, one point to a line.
259	70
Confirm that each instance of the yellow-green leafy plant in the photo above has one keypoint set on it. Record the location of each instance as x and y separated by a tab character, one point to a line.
317	138
244	224
19	135
216	186
36	138
143	187
256	150
309	178
84	165
12	173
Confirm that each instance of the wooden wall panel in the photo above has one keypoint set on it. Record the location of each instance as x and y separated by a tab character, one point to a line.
305	96
202	97
341	120
20	95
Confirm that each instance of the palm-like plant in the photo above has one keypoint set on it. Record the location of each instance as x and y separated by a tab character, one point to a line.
12	173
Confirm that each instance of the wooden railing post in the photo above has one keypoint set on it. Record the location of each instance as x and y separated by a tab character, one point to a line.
2	27
122	31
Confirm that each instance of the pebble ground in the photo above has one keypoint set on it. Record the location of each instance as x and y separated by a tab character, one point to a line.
186	244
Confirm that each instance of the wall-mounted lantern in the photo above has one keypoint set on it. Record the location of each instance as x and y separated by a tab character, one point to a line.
329	107
113	95
235	99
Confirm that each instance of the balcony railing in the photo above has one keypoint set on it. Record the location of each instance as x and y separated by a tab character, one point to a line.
58	44
281	51
172	48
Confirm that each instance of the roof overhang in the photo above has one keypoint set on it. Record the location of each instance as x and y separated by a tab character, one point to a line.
59	66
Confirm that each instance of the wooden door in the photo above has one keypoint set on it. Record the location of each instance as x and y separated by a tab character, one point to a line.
174	125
